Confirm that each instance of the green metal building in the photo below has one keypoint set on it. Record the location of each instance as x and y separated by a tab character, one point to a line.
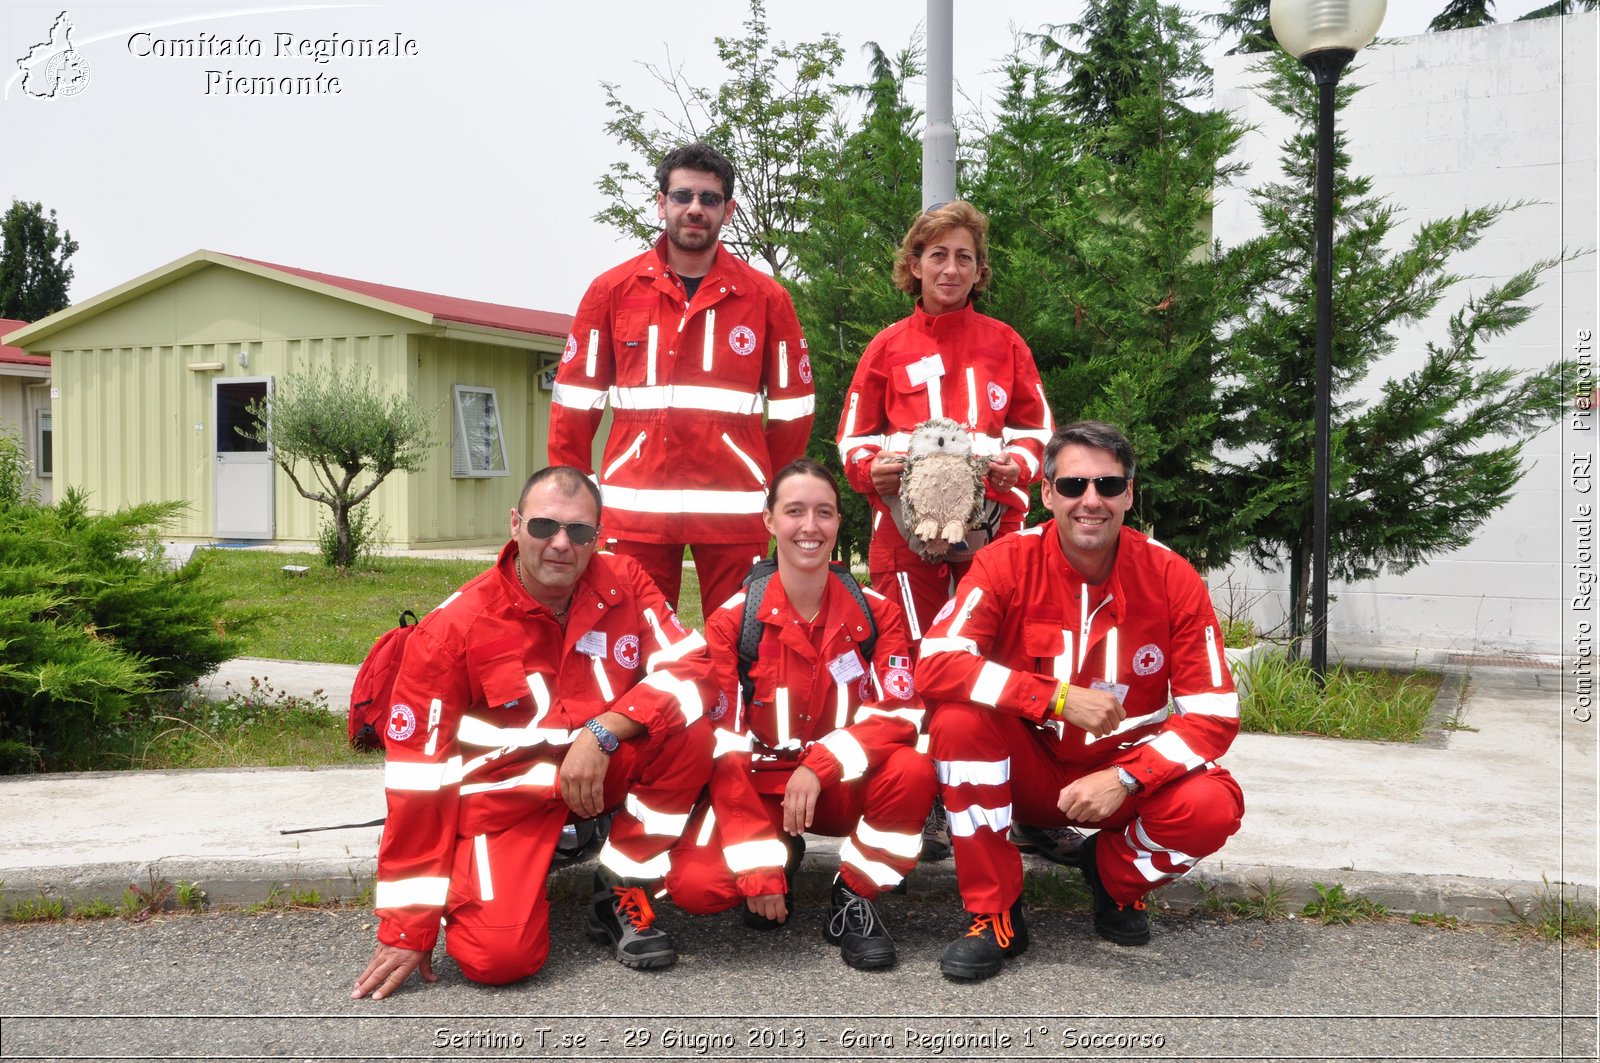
150	379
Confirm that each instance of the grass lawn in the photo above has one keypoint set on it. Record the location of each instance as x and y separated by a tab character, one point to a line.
1282	697
323	616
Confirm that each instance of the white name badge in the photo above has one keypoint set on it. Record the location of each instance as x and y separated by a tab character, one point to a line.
846	668
925	369
592	643
1118	690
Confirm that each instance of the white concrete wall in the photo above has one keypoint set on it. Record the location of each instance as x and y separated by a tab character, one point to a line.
1450	121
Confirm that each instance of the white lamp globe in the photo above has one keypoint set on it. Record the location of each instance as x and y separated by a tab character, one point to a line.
1307	26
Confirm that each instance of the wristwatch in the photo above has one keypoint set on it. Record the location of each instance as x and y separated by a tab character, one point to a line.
608	741
1129	783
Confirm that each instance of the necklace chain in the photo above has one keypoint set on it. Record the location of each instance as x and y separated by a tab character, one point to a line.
560	614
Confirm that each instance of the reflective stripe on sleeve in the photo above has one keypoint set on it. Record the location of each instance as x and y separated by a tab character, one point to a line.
727	742
1224	705
791	409
852	758
1172	747
744	857
481	733
410	892
990	684
683	691
913	717
577	398
594	349
932	645
963	614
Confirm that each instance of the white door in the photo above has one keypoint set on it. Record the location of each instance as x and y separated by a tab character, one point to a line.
243	486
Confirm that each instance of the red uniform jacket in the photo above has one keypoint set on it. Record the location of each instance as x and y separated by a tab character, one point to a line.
832	711
688	458
962	365
489	696
1018	626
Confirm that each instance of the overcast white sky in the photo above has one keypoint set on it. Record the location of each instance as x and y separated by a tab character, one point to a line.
467	169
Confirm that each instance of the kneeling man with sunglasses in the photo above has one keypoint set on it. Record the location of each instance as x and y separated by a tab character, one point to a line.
553	687
1077	679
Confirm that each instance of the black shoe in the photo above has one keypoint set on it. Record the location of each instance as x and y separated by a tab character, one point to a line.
582	839
982	950
791	866
1060	845
935	835
1123	924
854	925
620	916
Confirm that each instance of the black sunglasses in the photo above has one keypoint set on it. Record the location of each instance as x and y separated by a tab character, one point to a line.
683	197
1105	486
546	527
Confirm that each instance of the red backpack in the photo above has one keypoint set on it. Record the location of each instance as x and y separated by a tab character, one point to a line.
369	697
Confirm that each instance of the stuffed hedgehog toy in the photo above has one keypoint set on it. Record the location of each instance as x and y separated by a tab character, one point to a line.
941	487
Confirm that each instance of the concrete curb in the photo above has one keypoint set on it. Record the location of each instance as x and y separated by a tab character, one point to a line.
241	883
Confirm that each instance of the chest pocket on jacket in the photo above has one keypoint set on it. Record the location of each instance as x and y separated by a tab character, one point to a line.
1045	641
496	669
630	342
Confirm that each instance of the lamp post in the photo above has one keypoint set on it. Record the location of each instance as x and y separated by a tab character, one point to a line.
1324	35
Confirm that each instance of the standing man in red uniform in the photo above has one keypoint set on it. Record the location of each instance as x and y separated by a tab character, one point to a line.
1078	679
557	684
703	363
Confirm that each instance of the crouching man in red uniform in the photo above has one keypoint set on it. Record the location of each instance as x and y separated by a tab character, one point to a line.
557	684
1077	679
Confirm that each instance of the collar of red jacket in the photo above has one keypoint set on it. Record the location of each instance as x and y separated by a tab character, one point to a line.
597	584
840	616
945	324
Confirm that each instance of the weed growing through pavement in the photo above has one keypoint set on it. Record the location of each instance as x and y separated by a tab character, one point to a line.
94	908
1437	919
141	902
1055	888
1554	916
1334	905
40	909
1283	697
191	898
1267	903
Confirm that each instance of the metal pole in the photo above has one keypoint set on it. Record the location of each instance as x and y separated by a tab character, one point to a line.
939	136
1326	66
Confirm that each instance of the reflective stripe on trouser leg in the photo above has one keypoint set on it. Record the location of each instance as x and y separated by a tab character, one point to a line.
1171	829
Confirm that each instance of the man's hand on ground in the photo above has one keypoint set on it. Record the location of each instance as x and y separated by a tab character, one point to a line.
389	968
1093	797
768	906
1096	711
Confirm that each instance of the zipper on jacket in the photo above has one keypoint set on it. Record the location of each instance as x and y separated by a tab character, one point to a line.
633	449
755	470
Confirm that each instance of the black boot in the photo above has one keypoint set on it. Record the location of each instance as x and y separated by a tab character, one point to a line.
982	950
855	926
791	867
1124	924
1060	845
620	916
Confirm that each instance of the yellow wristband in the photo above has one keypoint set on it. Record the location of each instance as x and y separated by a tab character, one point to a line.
1061	701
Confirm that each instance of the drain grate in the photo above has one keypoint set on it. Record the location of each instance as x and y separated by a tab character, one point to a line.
1504	661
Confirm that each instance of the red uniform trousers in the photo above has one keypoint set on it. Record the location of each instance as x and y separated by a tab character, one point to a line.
720	566
921	587
894	799
497	918
1151	839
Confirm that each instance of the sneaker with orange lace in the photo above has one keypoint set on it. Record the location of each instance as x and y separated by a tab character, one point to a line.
1122	924
982	950
620	915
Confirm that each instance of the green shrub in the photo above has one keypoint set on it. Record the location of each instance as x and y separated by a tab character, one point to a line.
16	477
93	625
366	531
